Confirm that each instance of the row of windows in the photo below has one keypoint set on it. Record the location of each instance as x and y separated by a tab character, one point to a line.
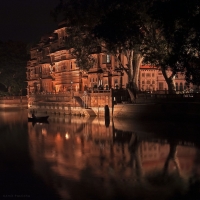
180	87
106	59
148	75
148	82
49	68
93	80
148	87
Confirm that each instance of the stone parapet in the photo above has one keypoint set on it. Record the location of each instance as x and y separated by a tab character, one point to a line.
13	102
97	104
67	109
77	103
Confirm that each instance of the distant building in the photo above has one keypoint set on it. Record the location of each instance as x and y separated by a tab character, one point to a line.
151	79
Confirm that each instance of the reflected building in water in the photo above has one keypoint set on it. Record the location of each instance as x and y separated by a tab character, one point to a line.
70	151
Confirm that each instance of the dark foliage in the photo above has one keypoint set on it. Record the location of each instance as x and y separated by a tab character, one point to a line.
165	32
13	59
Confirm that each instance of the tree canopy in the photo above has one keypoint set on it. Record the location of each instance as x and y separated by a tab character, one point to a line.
172	38
161	33
13	60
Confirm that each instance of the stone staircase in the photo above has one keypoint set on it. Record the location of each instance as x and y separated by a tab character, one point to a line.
79	101
89	112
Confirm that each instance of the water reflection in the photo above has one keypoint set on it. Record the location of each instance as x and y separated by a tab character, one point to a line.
90	158
97	159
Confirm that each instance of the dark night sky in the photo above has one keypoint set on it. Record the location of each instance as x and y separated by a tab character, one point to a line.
26	20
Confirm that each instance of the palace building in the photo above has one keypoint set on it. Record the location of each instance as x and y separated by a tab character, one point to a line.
52	69
151	79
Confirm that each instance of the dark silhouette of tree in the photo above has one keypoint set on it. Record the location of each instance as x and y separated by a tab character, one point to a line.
135	157
13	59
120	28
111	27
172	156
172	39
165	34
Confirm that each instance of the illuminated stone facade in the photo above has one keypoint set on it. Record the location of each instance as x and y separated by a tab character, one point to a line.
52	69
151	79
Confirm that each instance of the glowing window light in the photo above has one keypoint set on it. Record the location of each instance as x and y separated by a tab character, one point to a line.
67	136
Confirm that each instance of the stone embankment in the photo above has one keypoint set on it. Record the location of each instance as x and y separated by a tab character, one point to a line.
167	110
89	104
13	102
146	106
67	109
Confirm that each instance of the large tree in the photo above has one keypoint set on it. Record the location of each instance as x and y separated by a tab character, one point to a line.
13	59
153	32
113	24
172	39
120	29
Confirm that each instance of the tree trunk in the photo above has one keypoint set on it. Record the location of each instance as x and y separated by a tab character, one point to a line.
171	85
130	65
9	89
170	81
136	69
134	62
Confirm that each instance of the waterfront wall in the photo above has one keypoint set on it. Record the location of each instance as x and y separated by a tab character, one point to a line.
174	111
102	104
13	102
86	104
171	110
67	109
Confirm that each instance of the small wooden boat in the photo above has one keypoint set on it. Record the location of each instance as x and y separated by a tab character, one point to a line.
38	119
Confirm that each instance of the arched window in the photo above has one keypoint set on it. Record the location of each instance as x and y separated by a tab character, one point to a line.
181	86
160	86
176	86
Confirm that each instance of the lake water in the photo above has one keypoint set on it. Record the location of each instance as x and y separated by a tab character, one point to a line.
92	158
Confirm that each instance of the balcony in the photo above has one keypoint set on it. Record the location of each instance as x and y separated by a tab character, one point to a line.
34	76
55	46
45	60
